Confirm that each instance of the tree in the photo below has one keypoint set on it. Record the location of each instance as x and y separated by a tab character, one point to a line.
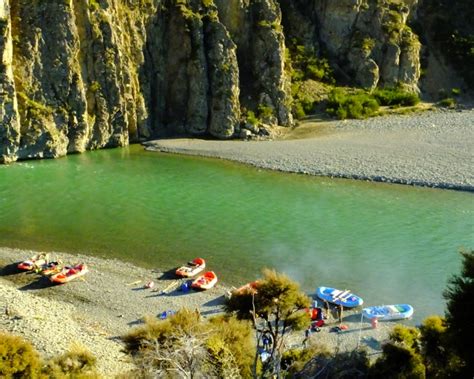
275	305
460	312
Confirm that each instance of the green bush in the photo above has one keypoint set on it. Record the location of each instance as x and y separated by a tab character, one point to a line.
264	111
398	361
440	360
251	118
448	102
395	97
306	64
298	109
358	104
18	358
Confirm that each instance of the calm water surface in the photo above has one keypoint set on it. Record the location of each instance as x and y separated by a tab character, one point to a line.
388	243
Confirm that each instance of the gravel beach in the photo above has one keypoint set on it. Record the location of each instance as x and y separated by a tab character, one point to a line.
112	299
434	148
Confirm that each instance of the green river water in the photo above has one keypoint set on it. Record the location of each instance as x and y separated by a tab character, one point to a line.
387	243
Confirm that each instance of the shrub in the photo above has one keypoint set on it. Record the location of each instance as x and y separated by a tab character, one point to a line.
298	109
439	357
448	102
398	361
18	358
307	65
78	362
231	342
161	331
221	347
251	118
395	97
358	104
264	112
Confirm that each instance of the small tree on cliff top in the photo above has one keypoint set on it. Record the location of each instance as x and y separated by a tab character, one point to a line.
276	306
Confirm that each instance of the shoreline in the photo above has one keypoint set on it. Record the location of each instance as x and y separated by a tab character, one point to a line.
111	299
430	149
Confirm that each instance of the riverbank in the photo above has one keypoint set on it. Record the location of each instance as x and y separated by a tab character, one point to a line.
433	149
112	299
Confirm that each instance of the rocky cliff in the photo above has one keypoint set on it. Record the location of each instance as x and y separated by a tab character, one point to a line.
87	74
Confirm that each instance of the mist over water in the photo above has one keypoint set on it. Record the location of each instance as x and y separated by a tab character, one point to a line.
387	243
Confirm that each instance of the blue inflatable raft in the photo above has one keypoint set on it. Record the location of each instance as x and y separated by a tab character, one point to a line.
339	297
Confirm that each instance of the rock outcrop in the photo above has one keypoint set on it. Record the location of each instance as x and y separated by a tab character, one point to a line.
9	123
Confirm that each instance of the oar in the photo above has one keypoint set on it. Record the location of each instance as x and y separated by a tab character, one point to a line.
132	283
170	287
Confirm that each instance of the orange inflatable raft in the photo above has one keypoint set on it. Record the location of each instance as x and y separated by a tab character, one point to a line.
191	268
70	273
205	281
34	262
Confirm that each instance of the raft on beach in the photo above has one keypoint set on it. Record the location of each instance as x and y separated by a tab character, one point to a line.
191	268
205	281
70	273
388	312
34	262
339	297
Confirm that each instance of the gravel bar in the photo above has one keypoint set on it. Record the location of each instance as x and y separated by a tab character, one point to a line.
433	149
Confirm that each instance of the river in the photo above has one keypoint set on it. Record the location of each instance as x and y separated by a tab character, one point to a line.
387	243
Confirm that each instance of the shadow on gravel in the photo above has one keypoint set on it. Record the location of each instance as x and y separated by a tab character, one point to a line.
211	312
11	269
136	322
372	343
42	282
220	300
168	275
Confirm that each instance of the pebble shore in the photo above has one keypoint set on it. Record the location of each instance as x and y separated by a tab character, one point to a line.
112	299
433	149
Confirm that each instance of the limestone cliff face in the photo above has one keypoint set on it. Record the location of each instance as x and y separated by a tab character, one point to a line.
368	40
192	71
255	27
9	125
75	69
86	74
